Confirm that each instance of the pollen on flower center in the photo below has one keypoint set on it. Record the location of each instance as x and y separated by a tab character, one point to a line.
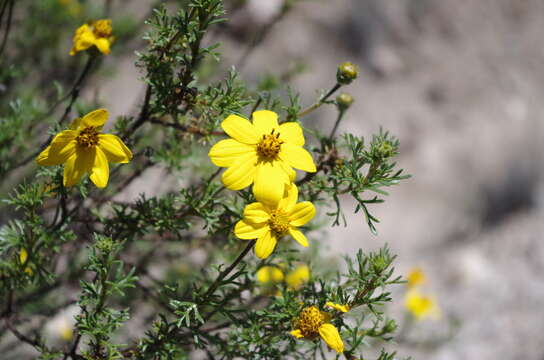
309	321
102	28
88	137
269	146
278	222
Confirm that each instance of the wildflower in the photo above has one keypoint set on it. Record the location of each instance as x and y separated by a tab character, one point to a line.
83	149
98	33
421	306
23	257
65	330
269	222
270	275
296	278
346	73
416	277
312	323
262	152
339	307
344	101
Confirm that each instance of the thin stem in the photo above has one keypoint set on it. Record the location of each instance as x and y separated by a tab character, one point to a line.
227	271
320	102
338	119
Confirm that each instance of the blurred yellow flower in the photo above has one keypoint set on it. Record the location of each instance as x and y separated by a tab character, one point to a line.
269	222
296	278
416	277
270	275
421	306
98	33
83	149
312	323
342	308
23	257
65	331
263	153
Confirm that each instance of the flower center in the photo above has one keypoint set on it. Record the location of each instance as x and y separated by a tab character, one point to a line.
269	146
87	137
278	222
102	28
309	321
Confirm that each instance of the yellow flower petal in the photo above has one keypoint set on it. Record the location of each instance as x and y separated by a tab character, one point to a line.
291	133
62	147
75	124
249	231
342	308
289	199
226	152
421	306
103	45
288	169
416	277
301	213
297	157
256	213
270	180
329	333
241	174
298	236
265	245
100	171
77	165
23	256
240	129
96	118
269	274
115	150
297	333
296	278
265	121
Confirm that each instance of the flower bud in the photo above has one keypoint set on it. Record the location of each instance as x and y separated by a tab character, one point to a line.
386	149
390	326
344	101
379	264
346	73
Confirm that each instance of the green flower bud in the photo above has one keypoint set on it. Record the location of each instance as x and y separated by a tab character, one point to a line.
346	73
379	264
390	326
386	149
344	101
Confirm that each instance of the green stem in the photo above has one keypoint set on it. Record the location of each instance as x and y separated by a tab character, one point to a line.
320	102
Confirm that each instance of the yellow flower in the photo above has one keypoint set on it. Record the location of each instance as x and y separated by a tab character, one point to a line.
421	306
342	308
268	222
296	278
270	275
83	149
416	277
312	323
98	33
23	257
262	153
65	330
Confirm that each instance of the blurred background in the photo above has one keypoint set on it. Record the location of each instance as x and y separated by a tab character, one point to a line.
461	83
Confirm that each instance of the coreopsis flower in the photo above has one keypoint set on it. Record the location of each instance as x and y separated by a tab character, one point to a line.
270	275
84	149
296	278
98	33
268	222
339	307
416	277
421	306
262	153
23	257
312	323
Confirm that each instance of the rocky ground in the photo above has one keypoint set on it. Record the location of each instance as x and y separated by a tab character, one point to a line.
460	83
